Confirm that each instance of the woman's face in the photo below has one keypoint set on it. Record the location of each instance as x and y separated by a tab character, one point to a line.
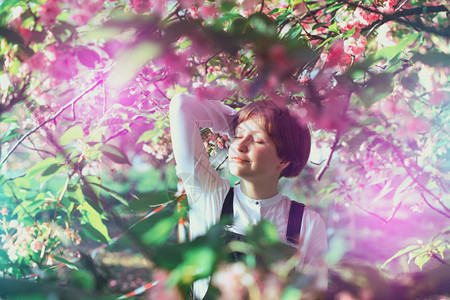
252	154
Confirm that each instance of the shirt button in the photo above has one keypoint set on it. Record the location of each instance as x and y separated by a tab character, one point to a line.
257	202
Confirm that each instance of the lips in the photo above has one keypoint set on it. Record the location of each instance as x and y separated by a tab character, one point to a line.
239	159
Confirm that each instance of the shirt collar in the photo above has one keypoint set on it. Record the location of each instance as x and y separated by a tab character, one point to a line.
263	202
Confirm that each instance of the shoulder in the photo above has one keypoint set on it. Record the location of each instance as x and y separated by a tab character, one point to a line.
312	214
311	219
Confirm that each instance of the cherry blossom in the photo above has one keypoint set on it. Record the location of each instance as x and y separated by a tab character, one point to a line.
49	11
4	211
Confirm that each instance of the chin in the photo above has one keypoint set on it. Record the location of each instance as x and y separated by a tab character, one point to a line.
235	170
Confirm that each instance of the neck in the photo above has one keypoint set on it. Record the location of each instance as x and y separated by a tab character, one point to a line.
259	190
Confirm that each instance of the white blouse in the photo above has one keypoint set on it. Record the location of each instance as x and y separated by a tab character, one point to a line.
206	190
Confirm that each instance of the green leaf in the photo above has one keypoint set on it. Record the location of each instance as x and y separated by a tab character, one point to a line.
4	256
264	233
130	61
403	186
440	250
319	25
421	260
51	170
400	253
8	120
66	262
92	197
160	232
9	135
294	32
29	207
227	6
377	87
324	42
87	57
146	200
262	24
291	292
391	52
333	28
198	263
355	142
72	134
349	33
115	154
19	188
75	194
147	136
433	58
114	194
83	279
93	226
11	36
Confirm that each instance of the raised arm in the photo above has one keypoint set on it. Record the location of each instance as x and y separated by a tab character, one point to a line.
192	162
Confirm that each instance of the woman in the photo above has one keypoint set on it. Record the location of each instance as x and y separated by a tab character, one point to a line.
268	143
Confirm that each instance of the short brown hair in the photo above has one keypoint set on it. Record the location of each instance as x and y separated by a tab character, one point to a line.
291	136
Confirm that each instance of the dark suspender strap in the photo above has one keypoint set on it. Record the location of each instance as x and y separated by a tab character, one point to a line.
227	208
295	222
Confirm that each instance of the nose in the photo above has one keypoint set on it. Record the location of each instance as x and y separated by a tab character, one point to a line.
242	144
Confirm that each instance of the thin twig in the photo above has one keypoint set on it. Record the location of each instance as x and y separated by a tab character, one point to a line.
432	207
59	112
39	150
397	16
333	149
123	131
368	211
363	7
440	259
223	161
395	211
416	181
311	14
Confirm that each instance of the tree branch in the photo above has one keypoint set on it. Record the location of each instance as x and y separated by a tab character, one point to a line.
368	211
333	148
432	207
59	112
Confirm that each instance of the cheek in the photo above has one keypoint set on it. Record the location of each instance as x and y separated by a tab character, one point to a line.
232	148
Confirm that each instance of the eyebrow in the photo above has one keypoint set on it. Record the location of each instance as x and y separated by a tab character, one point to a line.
258	131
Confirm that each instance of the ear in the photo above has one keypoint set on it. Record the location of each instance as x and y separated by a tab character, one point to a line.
283	164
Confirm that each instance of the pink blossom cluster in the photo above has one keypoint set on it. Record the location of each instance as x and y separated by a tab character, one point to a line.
328	115
160	148
49	11
141	6
358	20
343	53
4	211
336	56
157	7
81	11
387	7
58	62
353	47
237	281
406	125
214	141
22	241
162	291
